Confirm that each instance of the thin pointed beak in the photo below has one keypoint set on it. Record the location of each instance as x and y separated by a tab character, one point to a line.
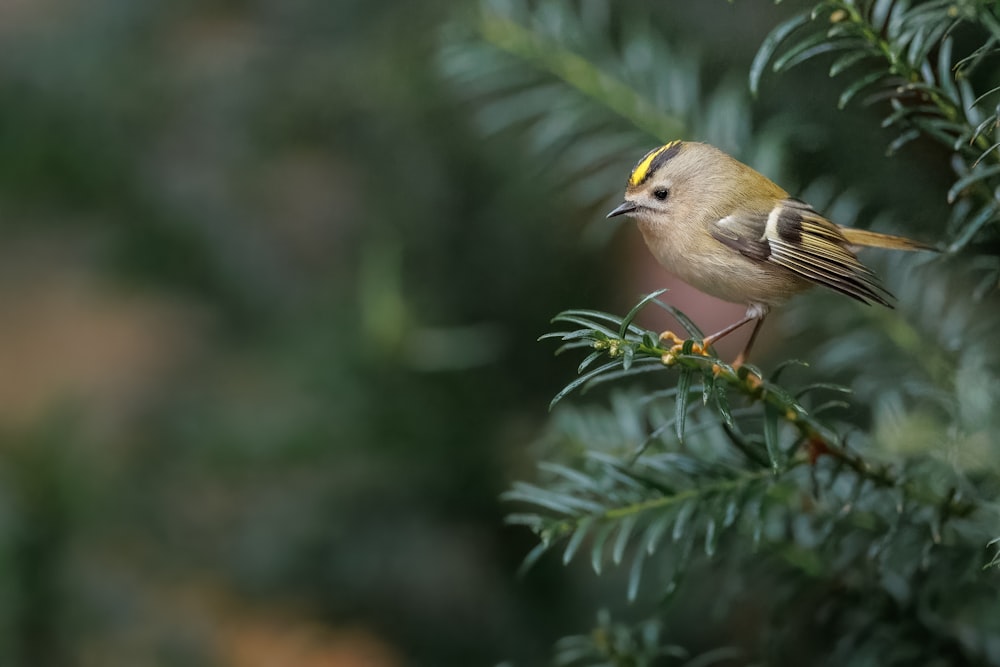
624	208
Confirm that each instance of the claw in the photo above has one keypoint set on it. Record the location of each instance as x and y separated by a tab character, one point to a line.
677	347
671	337
753	380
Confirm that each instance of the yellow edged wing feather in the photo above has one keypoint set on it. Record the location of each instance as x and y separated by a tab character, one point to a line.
797	238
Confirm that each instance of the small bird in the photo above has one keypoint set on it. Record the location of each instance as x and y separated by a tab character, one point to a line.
729	231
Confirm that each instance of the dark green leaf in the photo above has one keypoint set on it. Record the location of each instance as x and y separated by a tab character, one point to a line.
680	522
588	315
990	123
989	92
945	79
576	539
770	46
625	527
901	111
591	358
776	373
781	394
995	561
628	354
774	453
565	335
635	310
574	345
680	405
848	60
825	386
533	556
575	477
985	153
567	317
624	477
974	177
683	557
900	141
583	379
880	14
755	509
829	405
722	402
597	549
972	227
841	30
560	503
809	47
635	575
732	511
689	326
654	534
641	365
857	87
972	113
943	130
916	51
966	65
923	86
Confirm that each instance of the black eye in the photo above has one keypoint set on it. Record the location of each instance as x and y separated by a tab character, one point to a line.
661	193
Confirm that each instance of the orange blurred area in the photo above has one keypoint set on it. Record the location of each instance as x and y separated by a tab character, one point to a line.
70	340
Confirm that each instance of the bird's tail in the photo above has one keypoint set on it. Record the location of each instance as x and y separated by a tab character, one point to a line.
863	237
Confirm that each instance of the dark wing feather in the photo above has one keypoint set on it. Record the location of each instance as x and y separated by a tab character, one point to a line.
745	234
797	238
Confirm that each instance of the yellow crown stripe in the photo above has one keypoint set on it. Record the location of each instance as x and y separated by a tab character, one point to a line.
641	171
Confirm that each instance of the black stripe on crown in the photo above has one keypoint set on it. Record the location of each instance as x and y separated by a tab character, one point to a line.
652	161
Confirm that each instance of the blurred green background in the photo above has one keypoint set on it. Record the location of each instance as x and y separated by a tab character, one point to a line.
270	297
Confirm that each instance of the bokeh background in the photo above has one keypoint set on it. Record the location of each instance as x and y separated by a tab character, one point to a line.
270	295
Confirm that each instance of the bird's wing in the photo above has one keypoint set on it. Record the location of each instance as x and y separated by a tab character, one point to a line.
794	236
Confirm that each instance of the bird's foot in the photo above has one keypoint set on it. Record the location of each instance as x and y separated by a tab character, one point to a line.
751	376
753	380
677	347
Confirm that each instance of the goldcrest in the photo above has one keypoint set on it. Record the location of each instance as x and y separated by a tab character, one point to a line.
731	232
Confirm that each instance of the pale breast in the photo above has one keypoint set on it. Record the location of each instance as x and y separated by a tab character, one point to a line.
715	269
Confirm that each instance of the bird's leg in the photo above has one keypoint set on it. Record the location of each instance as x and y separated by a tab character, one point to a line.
755	313
711	340
758	313
743	355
